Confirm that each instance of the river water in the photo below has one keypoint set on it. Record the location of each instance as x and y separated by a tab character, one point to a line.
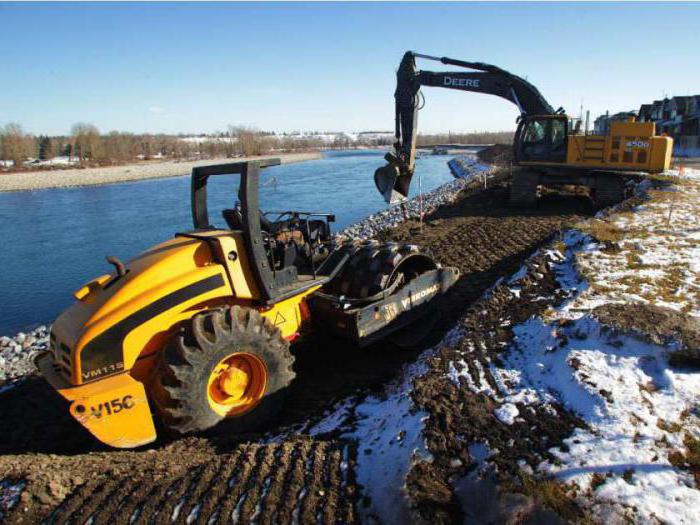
55	240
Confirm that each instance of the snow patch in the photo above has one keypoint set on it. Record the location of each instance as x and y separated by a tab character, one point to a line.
10	492
507	413
624	389
389	431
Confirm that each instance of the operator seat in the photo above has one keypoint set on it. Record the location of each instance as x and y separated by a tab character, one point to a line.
233	217
281	255
234	220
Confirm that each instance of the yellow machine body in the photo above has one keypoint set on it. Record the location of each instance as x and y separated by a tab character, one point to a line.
104	346
629	146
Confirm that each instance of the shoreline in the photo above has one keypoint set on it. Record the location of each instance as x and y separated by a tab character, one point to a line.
17	351
74	178
444	195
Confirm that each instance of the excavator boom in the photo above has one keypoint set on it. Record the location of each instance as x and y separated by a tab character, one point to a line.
394	179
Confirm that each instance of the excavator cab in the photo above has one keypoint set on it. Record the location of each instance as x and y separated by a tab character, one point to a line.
542	138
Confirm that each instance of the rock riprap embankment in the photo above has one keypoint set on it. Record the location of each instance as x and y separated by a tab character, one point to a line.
17	353
371	225
468	166
464	168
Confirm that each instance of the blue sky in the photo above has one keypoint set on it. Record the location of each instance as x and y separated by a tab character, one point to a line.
166	67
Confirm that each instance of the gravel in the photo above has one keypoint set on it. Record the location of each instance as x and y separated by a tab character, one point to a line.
17	353
36	180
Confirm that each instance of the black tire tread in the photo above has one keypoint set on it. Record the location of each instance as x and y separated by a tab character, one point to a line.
371	268
610	189
187	360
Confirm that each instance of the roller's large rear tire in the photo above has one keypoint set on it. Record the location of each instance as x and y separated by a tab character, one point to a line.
227	364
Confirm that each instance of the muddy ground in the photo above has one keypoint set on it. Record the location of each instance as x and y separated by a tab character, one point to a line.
66	477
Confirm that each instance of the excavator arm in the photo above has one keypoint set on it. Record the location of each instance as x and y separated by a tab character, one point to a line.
394	179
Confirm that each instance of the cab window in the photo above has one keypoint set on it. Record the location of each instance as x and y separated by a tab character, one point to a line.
544	140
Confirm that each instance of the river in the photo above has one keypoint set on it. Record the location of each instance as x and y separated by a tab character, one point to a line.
57	239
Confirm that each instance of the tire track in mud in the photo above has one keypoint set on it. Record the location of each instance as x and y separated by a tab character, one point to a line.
461	415
278	483
301	479
487	239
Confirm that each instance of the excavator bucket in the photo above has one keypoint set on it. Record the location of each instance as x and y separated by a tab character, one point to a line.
392	184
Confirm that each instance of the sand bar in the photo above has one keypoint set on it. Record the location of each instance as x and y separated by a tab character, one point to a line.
37	180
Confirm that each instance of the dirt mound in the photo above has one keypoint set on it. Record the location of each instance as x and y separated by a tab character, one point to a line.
656	324
214	476
498	153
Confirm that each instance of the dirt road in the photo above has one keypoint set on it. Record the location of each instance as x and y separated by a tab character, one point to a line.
296	477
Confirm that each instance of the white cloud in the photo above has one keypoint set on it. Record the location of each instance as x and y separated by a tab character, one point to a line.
155	109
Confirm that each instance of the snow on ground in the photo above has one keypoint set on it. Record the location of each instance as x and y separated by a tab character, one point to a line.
55	161
388	430
10	492
639	410
389	433
659	257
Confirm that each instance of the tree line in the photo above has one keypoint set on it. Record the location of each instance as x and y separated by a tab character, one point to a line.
476	137
87	146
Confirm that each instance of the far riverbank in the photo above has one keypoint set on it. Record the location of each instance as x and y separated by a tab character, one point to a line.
37	180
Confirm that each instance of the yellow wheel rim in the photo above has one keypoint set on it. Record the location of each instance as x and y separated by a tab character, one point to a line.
237	384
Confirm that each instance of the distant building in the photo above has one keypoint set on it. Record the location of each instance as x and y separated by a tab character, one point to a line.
644	114
678	117
601	125
693	116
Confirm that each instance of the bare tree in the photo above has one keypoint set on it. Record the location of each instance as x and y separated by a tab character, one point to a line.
85	139
249	141
15	145
475	137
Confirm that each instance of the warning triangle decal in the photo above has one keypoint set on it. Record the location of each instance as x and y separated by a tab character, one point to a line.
279	319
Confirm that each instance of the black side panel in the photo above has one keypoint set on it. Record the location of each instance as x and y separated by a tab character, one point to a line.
104	354
200	214
376	320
